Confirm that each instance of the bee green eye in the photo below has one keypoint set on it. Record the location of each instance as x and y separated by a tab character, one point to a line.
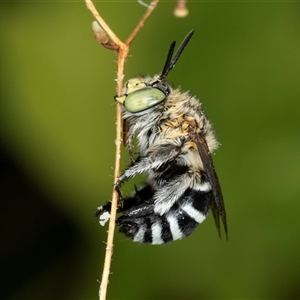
143	99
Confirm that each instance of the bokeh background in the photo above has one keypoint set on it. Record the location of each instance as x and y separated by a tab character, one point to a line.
57	136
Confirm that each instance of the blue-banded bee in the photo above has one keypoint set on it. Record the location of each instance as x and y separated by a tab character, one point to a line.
175	141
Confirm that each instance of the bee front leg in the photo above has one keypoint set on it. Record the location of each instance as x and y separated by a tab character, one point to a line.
154	160
140	166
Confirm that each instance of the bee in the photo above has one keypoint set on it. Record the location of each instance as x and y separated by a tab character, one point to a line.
175	141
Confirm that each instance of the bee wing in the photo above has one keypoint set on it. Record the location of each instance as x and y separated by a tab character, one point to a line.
217	205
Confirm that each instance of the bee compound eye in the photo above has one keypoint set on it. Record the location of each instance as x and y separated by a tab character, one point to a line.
143	99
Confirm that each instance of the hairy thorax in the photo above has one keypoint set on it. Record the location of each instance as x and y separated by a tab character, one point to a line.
169	124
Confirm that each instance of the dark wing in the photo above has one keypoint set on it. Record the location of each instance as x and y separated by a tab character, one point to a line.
217	205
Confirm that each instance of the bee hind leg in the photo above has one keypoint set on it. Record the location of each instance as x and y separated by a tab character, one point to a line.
141	195
143	225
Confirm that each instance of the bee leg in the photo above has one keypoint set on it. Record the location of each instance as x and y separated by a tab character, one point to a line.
141	196
107	206
102	209
133	220
103	212
152	161
144	193
136	212
174	189
171	192
137	208
134	206
139	167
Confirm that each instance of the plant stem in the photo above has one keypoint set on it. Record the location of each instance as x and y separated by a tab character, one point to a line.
123	50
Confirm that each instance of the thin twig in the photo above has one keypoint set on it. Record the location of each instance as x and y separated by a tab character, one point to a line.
150	8
123	49
102	23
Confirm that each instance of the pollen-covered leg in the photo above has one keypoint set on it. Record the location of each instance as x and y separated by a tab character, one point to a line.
144	226
102	213
175	187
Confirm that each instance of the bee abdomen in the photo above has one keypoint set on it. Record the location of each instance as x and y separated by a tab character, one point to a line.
180	221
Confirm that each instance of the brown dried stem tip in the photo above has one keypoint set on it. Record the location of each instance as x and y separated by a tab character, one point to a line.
102	38
180	10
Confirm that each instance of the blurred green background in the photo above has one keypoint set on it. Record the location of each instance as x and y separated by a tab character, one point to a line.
57	136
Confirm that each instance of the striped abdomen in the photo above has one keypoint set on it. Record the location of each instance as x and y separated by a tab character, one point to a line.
142	225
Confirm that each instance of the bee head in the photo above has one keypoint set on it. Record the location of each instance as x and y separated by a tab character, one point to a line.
141	94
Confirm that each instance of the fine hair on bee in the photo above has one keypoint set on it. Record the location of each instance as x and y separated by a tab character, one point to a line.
175	142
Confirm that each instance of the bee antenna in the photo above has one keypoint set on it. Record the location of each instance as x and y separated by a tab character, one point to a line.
166	68
170	62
